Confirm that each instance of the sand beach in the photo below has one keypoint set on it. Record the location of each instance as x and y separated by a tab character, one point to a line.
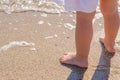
31	43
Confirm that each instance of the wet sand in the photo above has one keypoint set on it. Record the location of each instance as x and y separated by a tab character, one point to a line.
32	42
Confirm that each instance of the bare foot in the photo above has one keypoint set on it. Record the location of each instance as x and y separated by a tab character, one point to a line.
70	58
110	48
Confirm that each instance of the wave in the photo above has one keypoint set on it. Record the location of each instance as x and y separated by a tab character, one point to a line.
48	6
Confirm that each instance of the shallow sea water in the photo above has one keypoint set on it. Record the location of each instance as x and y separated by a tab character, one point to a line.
9	6
48	6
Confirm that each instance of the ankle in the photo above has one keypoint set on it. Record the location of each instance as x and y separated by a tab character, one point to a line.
109	42
83	58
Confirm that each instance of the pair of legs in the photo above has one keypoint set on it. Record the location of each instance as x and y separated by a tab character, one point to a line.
84	33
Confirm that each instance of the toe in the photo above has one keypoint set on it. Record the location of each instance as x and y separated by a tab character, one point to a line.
111	50
61	59
66	53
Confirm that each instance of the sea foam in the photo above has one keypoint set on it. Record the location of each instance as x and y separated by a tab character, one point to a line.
16	43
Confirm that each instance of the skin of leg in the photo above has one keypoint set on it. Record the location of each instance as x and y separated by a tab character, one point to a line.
83	34
109	9
83	37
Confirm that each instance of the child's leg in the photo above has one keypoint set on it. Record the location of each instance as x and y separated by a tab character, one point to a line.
83	38
109	10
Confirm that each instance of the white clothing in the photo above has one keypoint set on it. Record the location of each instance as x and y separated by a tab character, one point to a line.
79	5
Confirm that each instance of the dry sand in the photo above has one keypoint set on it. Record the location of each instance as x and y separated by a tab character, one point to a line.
32	42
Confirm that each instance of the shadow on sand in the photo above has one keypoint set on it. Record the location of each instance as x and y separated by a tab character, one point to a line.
77	72
103	69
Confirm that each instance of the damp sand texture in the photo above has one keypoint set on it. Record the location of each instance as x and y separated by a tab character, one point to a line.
32	42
